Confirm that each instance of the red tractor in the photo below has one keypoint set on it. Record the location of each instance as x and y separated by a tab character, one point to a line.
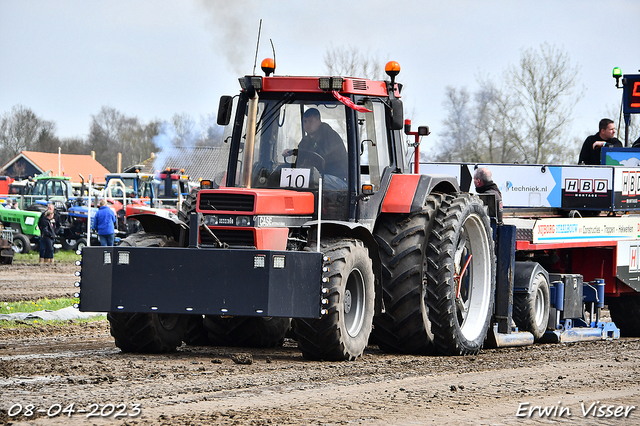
316	226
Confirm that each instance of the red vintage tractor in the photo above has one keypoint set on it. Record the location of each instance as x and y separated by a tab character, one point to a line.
337	239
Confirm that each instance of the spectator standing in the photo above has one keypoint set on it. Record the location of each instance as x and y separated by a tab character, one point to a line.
483	181
56	217
104	223
47	236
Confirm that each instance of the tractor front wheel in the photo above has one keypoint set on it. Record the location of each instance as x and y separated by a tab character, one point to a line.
252	332
343	331
147	332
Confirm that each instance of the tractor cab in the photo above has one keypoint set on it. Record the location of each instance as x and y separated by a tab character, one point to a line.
130	187
47	189
172	185
294	132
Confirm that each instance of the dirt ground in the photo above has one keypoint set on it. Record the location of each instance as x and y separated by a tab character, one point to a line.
74	374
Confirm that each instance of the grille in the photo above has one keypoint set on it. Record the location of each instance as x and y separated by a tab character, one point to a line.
359	85
233	237
226	202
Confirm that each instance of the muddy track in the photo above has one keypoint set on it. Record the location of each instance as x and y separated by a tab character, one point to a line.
34	281
51	368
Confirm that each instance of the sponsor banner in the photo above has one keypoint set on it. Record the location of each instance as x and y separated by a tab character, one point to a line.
628	263
567	230
521	185
531	185
626	194
526	185
587	187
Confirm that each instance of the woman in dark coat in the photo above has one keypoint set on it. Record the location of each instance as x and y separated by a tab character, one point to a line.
47	236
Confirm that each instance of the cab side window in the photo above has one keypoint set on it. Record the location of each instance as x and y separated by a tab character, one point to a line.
374	144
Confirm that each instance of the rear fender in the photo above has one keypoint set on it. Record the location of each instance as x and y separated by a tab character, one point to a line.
407	193
169	226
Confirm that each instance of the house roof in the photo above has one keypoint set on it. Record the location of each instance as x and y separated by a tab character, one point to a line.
69	165
197	161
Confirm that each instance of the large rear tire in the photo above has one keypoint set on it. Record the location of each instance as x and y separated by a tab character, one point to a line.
252	332
460	307
343	331
402	240
187	207
531	310
147	332
625	311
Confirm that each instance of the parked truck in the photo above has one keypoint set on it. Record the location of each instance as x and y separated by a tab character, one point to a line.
341	250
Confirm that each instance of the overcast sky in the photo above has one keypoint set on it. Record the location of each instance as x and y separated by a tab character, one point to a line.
154	58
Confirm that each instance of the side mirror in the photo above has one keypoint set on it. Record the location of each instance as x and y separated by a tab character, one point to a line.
396	115
224	110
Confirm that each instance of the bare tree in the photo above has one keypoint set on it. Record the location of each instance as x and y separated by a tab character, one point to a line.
458	136
211	134
616	114
350	61
523	120
544	81
20	130
112	132
186	132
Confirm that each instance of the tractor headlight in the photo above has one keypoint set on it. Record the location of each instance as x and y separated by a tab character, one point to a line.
211	220
243	221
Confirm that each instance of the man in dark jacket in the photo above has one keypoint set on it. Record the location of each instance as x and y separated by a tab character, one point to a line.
590	152
321	147
104	222
484	184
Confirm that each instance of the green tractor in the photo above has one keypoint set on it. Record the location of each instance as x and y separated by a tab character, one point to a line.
25	226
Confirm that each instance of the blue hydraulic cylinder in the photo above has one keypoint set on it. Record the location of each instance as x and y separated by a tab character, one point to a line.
557	295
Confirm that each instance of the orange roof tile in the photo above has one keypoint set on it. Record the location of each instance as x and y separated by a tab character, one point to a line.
71	165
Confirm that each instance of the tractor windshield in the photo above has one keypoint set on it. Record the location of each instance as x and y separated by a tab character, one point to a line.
296	143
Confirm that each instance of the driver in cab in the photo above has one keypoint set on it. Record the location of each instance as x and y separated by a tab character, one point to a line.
322	148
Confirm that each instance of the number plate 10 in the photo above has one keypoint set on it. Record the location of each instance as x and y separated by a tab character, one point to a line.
294	178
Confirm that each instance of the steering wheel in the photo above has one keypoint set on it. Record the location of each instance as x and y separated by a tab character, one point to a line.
311	159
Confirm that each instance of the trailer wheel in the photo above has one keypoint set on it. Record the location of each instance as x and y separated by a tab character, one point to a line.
147	332
252	332
21	244
625	311
343	331
531	310
460	307
402	240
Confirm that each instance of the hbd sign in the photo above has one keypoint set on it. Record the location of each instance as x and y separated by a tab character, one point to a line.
586	187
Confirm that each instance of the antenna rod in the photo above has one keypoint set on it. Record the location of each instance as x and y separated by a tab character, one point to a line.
275	62
255	60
